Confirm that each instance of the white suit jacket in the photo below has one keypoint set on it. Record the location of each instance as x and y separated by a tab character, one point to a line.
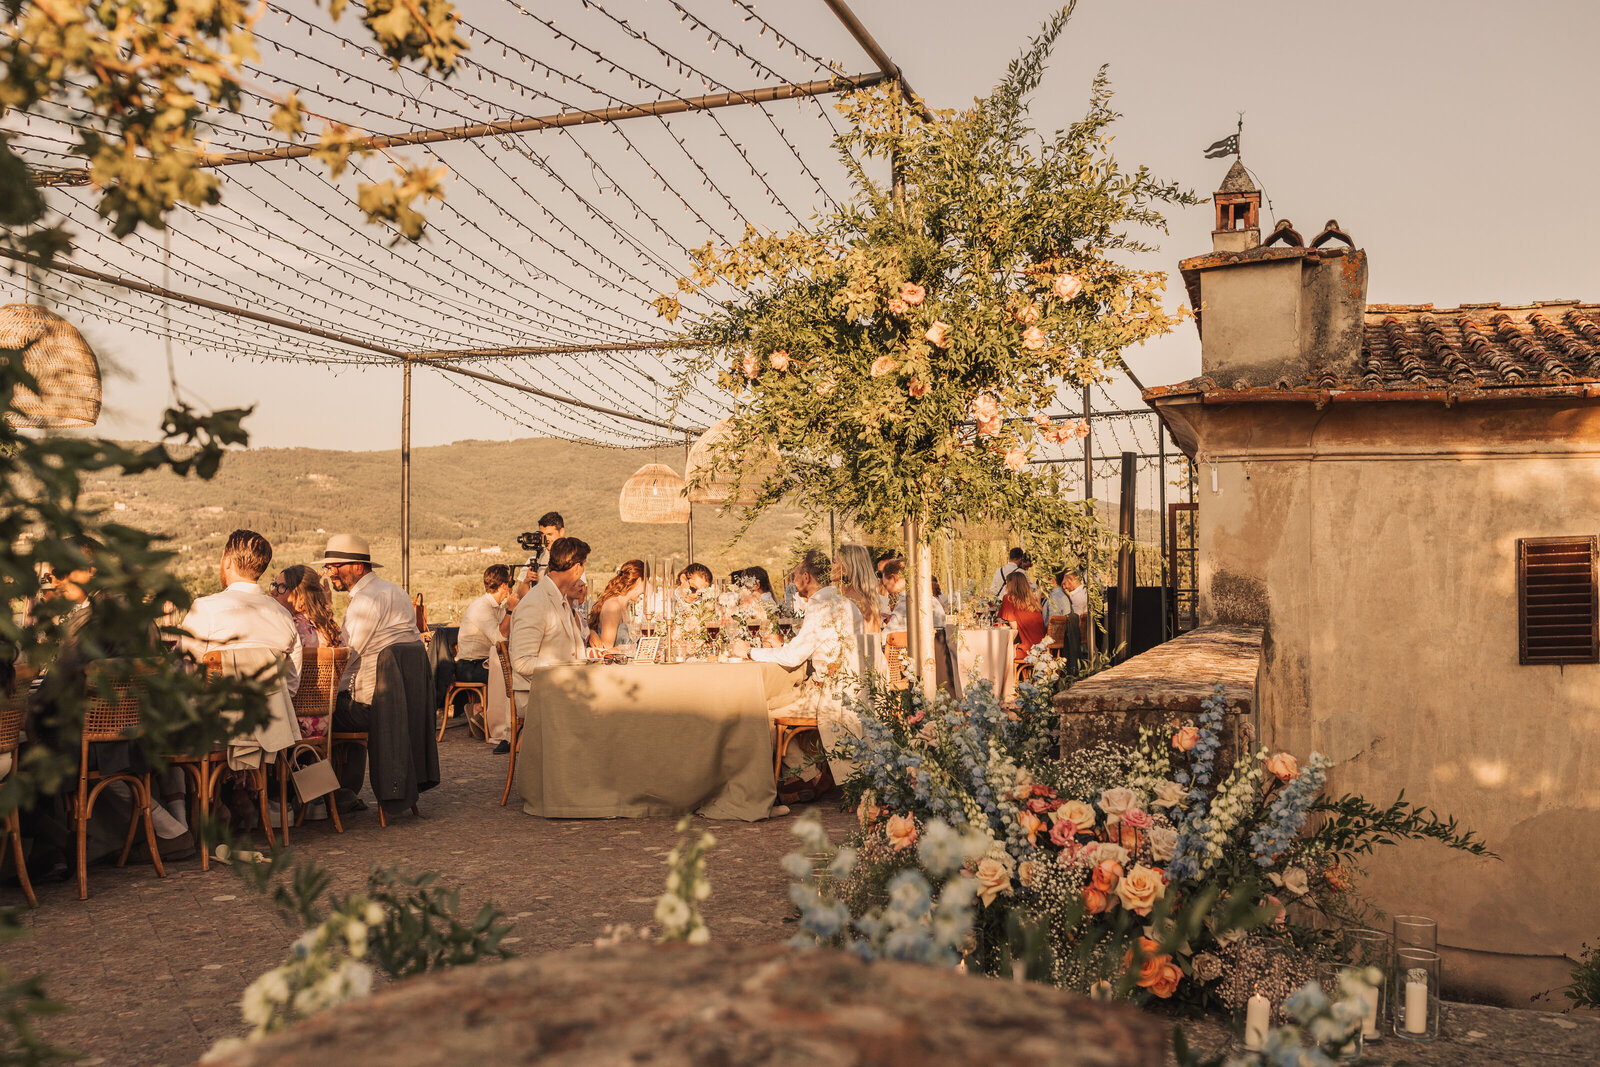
543	631
242	616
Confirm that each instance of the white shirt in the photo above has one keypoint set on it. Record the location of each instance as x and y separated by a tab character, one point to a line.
1079	598
480	628
830	628
1056	603
380	614
242	616
998	586
544	631
897	615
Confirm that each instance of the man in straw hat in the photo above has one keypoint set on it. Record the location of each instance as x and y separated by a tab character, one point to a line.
380	615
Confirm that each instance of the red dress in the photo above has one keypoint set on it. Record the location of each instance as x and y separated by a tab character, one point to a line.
1029	625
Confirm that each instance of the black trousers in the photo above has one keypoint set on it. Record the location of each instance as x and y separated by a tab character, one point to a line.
470	670
350	717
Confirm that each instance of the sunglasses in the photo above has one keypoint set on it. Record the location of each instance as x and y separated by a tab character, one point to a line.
279	587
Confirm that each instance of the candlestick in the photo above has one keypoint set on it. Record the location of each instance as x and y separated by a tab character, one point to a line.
1257	1016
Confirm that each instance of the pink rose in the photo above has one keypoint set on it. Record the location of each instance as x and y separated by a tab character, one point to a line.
985	406
939	334
1032	338
752	366
1186	738
902	832
825	387
779	360
1137	818
989	427
1015	459
1062	833
883	365
918	388
1067	286
898	306
1028	314
1283	767
1083	429
912	293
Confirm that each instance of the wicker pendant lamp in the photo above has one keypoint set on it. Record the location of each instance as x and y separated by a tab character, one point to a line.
725	487
654	494
60	360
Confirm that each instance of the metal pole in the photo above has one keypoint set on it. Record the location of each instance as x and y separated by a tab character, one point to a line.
1088	495
1122	632
1161	516
405	482
688	445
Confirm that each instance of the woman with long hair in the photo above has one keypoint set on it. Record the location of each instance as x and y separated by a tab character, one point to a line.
299	588
754	584
608	619
1020	608
857	581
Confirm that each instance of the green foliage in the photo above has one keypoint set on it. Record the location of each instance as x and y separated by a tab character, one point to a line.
141	75
22	1000
1353	826
421	930
1584	989
969	290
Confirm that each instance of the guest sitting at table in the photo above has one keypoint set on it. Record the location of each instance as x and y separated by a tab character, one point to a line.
754	583
827	640
857	582
608	619
692	581
544	629
939	597
1020	609
300	589
894	583
1014	563
480	627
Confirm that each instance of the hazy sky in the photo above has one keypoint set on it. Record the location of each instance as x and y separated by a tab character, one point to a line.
1450	140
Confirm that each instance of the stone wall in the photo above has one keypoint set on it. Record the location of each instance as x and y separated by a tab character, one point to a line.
717	1006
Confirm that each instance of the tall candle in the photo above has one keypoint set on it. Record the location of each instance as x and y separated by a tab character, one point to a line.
1417	1002
1369	1010
1256	1018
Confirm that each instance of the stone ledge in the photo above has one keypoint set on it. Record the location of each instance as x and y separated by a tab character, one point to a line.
733	1005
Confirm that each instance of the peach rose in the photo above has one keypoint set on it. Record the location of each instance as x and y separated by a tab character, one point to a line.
918	388
990	427
1028	314
1082	430
1033	338
1095	901
1015	459
779	360
898	306
1140	889
1027	873
939	334
1186	738
993	879
902	832
985	406
1042	421
1067	286
883	365
751	365
1169	794
1105	875
1163	843
1283	767
1079	814
1031	824
1098	852
1117	800
912	293
825	387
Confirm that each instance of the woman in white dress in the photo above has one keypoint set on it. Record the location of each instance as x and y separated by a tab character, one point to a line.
608	619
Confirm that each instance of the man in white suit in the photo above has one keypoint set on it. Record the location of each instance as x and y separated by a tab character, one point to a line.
544	628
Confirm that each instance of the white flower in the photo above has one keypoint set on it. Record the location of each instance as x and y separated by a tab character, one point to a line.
702	889
374	914
355	935
672	912
699	936
1168	795
1163	840
357	979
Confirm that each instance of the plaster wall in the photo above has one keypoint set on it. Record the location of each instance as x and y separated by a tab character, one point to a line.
1376	543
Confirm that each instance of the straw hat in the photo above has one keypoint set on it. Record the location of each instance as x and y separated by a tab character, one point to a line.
346	548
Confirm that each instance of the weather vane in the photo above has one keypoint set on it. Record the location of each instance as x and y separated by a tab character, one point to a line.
1229	145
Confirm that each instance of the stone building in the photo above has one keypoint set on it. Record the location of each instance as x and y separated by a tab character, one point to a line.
1405	500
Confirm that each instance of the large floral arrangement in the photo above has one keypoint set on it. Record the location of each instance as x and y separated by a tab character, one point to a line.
1156	870
696	616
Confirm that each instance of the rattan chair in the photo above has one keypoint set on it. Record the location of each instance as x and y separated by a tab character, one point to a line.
11	711
788	728
504	657
113	718
1058	632
205	772
447	712
315	699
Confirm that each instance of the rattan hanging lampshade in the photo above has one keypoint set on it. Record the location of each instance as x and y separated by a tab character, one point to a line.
725	487
654	494
60	360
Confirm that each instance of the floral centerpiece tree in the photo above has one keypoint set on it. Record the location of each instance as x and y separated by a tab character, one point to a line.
896	353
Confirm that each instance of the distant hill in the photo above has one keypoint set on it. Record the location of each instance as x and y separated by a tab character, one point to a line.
465	497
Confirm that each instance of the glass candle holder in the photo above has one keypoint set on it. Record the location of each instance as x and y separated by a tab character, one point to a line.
1366	947
1416	931
1335	979
1416	994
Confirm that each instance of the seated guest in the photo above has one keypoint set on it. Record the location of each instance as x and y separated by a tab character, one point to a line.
692	581
827	641
1020	609
544	628
1057	602
1013	564
480	625
301	589
894	583
380	616
939	597
608	619
857	582
753	581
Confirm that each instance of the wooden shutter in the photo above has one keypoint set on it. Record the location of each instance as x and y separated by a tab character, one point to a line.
1556	600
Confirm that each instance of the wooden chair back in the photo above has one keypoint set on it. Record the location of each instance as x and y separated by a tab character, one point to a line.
12	709
894	653
505	671
113	719
1058	630
319	681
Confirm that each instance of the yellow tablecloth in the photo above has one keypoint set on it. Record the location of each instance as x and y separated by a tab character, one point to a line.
638	740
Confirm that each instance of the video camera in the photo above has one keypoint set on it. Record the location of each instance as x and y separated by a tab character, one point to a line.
533	543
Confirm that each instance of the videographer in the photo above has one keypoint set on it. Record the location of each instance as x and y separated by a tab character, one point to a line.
551	528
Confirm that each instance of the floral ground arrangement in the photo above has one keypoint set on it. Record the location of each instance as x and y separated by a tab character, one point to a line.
1155	872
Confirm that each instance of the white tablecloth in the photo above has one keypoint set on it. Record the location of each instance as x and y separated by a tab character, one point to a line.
984	653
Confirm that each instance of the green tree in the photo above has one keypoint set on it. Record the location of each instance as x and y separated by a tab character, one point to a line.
895	354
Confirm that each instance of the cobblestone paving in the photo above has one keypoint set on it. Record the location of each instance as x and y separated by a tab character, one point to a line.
154	967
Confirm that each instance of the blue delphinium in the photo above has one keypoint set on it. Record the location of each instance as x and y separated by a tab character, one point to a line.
1196	824
1288	810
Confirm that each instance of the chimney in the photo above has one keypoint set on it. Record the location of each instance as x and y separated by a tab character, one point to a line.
1277	314
1238	212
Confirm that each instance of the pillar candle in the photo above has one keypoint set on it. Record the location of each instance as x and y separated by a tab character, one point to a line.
1369	1010
1417	1005
1256	1018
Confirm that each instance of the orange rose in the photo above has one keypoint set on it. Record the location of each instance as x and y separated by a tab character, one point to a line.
1032	824
883	365
1157	972
1015	459
1166	979
1028	314
1105	876
918	388
1186	738
939	334
1033	338
1140	889
1283	767
1067	286
1096	901
902	832
779	360
912	293
898	306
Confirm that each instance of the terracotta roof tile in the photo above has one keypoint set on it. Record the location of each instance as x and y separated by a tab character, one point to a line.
1418	346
